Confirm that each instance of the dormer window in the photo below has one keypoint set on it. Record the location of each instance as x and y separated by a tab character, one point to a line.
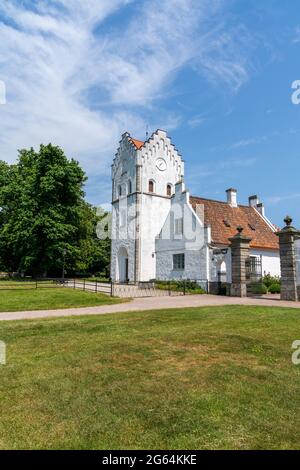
151	186
169	190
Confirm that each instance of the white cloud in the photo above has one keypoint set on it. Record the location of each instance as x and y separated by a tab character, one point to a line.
52	61
274	200
238	163
296	38
196	121
247	142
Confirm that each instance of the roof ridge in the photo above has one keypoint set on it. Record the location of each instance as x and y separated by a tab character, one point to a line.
220	202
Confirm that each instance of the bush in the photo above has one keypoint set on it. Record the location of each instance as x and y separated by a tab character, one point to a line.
191	287
98	279
259	289
275	288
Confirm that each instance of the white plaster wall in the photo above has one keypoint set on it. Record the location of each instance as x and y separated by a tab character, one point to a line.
123	171
215	266
154	212
159	146
155	207
193	242
124	167
195	265
120	239
270	261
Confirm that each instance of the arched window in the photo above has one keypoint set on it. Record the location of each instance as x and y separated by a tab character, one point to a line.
151	186
169	190
129	187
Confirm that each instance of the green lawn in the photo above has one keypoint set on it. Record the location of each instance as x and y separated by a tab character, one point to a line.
206	378
53	298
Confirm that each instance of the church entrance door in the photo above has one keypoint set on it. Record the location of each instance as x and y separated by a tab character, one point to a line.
123	265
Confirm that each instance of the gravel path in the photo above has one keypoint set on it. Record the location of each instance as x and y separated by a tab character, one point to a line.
149	303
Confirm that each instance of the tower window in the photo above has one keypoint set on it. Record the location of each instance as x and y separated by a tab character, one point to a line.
122	218
120	190
169	190
129	187
151	186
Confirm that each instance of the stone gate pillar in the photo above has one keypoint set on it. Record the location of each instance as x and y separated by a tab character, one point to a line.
239	254
287	237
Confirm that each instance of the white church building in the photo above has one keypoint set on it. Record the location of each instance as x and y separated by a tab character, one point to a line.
160	231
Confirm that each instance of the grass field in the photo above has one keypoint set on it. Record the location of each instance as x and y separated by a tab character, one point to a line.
50	299
206	378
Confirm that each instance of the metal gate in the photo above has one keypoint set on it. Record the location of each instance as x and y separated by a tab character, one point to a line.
254	275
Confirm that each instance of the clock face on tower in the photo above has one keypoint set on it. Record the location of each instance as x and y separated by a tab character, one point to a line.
161	164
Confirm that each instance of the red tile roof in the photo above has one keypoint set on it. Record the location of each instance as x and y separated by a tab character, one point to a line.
224	220
137	143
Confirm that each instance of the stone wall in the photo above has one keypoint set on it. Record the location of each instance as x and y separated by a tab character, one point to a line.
287	237
240	250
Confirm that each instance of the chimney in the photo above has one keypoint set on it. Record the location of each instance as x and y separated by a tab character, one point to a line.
261	209
253	201
232	197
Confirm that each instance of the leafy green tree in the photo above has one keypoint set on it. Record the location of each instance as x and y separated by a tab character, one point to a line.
94	253
44	213
5	171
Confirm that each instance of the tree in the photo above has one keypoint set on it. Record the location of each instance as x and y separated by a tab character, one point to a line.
94	254
44	213
4	179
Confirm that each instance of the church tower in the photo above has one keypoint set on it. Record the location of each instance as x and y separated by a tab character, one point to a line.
144	175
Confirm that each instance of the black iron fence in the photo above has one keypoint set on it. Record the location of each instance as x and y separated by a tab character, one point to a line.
142	289
184	287
30	284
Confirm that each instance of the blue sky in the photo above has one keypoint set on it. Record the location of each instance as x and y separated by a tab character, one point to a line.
215	74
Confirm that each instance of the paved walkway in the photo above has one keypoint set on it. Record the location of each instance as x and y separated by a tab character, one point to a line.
150	303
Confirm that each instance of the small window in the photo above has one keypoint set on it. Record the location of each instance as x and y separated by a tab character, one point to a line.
179	226
120	190
151	186
129	187
179	261
122	218
226	223
169	190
